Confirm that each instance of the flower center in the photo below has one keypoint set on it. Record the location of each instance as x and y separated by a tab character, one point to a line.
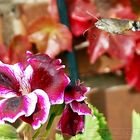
24	86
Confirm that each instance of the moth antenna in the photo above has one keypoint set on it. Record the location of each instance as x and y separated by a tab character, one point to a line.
92	15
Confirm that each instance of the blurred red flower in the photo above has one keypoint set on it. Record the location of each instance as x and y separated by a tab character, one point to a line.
79	19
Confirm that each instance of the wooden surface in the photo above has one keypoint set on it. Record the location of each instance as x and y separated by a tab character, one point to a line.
117	105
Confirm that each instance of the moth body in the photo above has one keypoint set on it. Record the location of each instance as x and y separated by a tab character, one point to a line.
117	26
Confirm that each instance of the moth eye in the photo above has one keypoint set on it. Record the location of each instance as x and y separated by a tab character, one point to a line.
135	26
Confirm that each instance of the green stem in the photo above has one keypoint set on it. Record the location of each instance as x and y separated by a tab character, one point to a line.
51	119
21	127
37	133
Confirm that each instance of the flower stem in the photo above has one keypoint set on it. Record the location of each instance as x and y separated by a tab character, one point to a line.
37	133
21	127
51	119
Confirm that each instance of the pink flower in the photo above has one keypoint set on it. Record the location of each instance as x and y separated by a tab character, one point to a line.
72	119
28	91
71	123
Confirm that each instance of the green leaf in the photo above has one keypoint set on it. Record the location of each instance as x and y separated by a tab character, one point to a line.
95	128
135	126
103	128
8	132
58	137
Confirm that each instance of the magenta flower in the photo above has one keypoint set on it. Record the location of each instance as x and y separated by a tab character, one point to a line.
71	123
72	119
28	91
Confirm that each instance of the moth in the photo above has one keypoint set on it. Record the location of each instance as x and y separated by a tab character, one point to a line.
117	26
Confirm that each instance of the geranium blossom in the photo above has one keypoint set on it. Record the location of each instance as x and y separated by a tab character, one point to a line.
72	119
28	91
50	36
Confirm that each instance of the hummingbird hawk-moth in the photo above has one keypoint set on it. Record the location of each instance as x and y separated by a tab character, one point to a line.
117	26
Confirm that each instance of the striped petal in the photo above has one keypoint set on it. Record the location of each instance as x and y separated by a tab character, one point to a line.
81	108
49	76
12	108
9	80
71	123
41	113
75	93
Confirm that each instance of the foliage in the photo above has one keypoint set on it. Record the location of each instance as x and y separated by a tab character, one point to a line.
135	126
95	128
8	132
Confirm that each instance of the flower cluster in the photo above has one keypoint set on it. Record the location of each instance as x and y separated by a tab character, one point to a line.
27	91
72	119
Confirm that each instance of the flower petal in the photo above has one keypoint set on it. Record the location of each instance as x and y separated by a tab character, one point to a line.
25	80
49	76
4	53
80	108
12	108
50	36
78	17
122	47
132	72
75	93
71	123
9	83
28	72
97	46
41	113
17	48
